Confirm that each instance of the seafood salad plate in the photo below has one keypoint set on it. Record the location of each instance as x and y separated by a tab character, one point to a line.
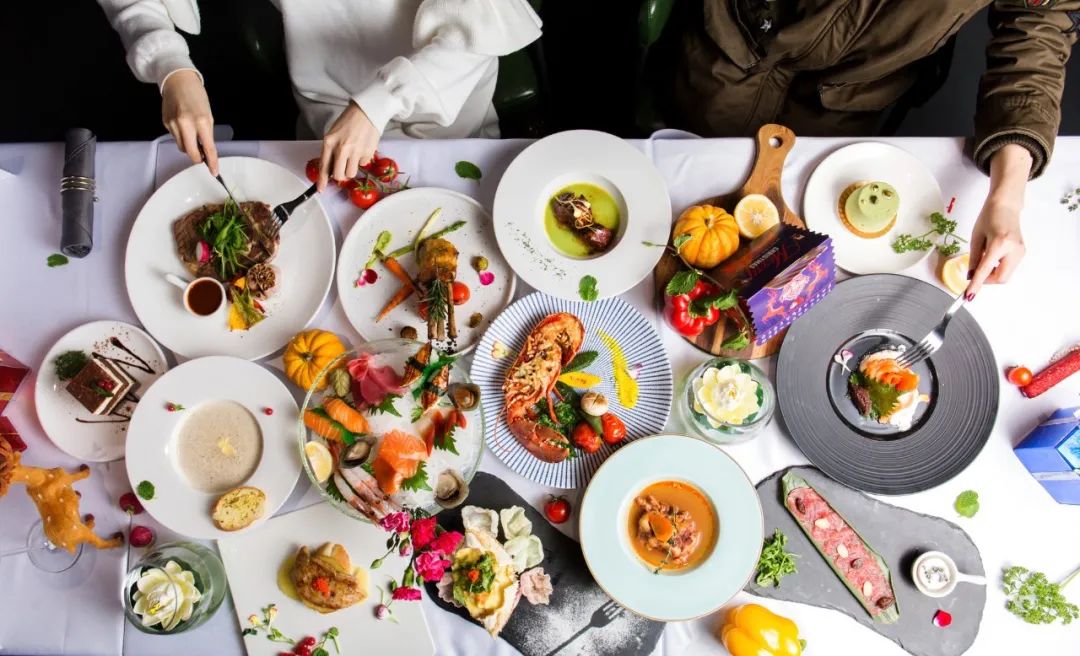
565	384
424	264
392	424
671	527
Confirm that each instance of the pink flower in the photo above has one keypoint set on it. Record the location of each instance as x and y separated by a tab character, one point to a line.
406	594
447	543
395	522
486	278
431	565
423	532
405	550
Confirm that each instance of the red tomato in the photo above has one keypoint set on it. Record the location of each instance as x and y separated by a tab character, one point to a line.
614	428
363	195
585	438
1019	376
347	183
311	169
460	293
557	509
384	168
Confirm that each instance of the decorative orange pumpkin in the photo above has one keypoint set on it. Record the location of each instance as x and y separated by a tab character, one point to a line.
308	353
713	235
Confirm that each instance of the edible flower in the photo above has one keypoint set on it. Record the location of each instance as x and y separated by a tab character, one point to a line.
725	395
423	532
486	278
431	565
165	596
406	594
447	543
254	620
396	522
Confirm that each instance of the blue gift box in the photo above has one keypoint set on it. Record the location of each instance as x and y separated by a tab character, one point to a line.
1051	452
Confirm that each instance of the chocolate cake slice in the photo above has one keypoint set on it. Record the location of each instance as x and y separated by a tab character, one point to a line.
101	385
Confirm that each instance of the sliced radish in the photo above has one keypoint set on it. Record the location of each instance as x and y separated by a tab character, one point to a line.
202	252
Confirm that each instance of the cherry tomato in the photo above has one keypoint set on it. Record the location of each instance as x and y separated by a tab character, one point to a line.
557	509
384	168
614	428
423	310
1019	376
347	183
585	438
311	169
363	195
460	293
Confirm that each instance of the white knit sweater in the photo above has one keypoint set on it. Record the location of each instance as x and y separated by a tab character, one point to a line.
422	68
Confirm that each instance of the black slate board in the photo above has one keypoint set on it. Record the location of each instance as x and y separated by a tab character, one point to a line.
899	535
560	628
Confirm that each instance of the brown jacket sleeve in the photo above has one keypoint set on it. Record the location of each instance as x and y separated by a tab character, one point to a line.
1020	93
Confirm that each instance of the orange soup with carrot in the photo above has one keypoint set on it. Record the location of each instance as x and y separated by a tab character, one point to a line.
672	526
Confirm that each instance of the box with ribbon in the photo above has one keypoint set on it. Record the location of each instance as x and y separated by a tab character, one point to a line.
1051	452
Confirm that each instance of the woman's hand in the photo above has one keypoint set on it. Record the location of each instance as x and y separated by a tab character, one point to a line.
349	144
996	243
185	111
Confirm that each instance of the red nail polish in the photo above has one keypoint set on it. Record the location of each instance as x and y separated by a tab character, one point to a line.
969	297
970	273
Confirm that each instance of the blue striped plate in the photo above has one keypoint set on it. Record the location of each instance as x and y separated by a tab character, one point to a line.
644	352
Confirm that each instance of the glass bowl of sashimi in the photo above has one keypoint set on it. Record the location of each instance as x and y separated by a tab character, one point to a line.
392	424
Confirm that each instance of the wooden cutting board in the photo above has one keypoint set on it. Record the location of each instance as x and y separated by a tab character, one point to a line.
773	144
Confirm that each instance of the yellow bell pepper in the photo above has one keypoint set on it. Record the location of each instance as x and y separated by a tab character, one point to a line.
753	630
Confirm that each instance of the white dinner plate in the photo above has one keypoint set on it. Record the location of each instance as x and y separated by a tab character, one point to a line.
152	439
920	196
403	215
582	156
252	562
69	425
305	261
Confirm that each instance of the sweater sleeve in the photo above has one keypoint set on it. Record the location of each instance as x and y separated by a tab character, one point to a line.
154	48
455	41
1020	94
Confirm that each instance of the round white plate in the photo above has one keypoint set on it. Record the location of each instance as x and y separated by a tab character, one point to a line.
920	196
151	444
644	351
305	261
403	214
591	157
57	410
605	542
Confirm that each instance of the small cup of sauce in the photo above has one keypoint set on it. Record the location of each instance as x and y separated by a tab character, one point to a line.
203	297
935	574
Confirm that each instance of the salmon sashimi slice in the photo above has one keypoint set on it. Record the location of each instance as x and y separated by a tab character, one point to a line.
397	459
346	415
885	370
323	426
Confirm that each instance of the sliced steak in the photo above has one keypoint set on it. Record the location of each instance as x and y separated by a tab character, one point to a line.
187	236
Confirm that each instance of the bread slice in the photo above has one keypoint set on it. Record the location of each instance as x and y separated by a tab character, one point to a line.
239	508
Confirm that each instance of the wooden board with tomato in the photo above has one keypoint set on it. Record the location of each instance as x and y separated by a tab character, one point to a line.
773	144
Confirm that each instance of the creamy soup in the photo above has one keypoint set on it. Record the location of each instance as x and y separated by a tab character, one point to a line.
218	446
672	526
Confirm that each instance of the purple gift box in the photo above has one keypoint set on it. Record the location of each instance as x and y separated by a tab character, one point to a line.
1051	452
779	276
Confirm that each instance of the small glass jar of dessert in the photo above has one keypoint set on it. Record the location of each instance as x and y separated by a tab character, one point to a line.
173	588
727	400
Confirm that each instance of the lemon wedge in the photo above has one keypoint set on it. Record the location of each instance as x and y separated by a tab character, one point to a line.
755	214
953	273
322	463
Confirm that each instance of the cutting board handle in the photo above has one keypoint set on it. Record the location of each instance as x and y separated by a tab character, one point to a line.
774	142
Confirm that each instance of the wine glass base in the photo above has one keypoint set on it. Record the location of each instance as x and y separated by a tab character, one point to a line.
46	556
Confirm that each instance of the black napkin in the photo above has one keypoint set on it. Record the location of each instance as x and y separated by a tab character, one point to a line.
569	625
77	189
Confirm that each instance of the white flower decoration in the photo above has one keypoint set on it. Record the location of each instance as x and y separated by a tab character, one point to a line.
725	395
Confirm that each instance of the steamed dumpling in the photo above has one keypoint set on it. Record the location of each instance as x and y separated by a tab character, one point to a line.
480	520
526	551
515	523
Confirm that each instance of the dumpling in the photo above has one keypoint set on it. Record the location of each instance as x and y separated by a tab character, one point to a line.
526	551
514	522
480	520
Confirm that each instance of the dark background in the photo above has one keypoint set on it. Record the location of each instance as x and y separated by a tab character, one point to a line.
65	67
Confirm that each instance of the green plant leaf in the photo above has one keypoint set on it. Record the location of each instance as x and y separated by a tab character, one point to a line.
418	481
682	282
681	240
967	503
386	406
582	360
738	342
145	490
56	259
467	170
587	289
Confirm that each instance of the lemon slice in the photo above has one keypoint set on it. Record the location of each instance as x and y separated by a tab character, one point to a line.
322	463
953	273
755	214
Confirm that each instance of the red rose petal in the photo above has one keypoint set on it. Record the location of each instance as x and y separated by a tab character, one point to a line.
942	619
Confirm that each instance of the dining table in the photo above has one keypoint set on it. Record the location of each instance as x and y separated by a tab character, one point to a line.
1026	321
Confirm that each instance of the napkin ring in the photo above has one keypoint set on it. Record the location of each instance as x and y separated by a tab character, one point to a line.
78	183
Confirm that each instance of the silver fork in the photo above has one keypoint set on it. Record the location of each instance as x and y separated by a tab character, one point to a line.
933	340
281	213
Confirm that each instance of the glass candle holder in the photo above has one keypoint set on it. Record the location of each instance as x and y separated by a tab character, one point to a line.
727	400
175	587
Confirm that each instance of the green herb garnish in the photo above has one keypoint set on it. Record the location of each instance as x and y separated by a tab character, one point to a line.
244	305
967	503
737	342
145	490
417	481
430	370
332	490
1034	599
224	232
69	363
367	467
775	563
587	289
446	441
386	406
408	248
417	412
682	282
347	436
883	398
437	299
701	307
942	227
467	170
56	259
582	360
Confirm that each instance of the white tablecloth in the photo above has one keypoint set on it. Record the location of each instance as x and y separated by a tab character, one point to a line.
79	612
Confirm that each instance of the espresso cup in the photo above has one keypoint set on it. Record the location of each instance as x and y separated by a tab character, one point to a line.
203	297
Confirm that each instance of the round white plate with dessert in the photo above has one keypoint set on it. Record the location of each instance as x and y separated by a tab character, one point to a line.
864	196
573	212
210	449
188	234
365	285
89	383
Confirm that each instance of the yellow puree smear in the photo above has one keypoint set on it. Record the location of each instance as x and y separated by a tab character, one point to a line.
625	385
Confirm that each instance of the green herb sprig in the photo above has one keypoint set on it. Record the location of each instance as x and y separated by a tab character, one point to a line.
386	406
1034	599
967	503
224	232
883	398
55	260
943	227
775	562
418	481
69	363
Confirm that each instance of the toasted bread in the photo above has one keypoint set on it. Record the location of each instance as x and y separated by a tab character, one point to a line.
239	508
